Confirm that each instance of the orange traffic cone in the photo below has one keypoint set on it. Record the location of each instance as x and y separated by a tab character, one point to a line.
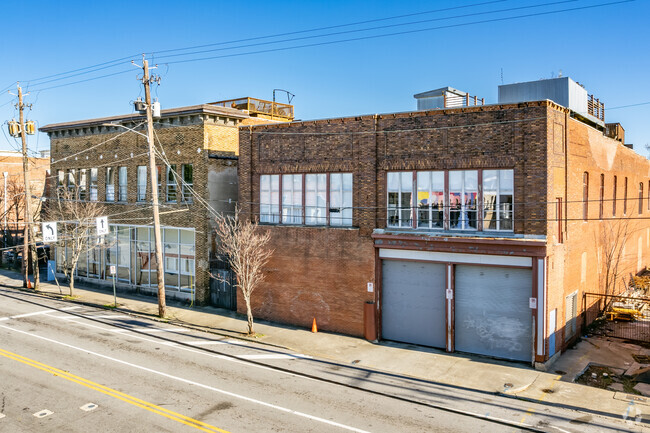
314	328
29	284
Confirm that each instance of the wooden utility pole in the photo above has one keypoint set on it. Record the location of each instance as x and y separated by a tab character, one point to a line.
28	218
154	192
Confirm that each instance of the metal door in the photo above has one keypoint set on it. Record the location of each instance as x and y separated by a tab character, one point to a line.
413	302
223	289
492	311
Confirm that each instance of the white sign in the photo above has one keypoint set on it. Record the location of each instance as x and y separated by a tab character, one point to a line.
371	287
532	302
112	270
449	294
49	232
102	226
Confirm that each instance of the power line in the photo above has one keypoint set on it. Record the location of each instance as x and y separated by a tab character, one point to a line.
328	27
360	38
372	28
89	79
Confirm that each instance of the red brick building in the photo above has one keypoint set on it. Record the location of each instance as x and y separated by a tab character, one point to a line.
473	229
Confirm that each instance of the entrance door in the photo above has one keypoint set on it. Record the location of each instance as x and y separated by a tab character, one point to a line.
492	312
413	302
552	319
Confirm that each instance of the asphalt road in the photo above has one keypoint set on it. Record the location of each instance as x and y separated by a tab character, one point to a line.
74	368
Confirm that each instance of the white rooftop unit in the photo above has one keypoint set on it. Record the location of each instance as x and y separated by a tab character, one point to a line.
563	91
445	97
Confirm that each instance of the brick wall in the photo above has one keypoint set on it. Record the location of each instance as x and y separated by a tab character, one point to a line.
492	137
578	263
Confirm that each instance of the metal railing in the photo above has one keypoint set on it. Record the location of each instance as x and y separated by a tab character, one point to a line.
259	106
596	108
617	316
454	101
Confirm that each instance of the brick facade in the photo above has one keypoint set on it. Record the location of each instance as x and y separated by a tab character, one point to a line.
204	136
323	272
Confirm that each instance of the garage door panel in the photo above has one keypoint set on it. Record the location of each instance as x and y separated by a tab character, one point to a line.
413	302
492	315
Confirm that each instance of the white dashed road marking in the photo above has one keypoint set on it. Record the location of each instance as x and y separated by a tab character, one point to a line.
88	407
43	413
2	415
162	330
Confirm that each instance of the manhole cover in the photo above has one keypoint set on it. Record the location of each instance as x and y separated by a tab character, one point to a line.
508	385
642	359
548	391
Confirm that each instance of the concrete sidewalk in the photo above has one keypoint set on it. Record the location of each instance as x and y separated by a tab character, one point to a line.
516	380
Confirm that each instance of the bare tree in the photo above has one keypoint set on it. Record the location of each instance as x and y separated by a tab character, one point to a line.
247	252
76	221
612	236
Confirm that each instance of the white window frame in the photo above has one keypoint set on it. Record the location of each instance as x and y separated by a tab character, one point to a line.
269	198
93	184
401	222
316	213
122	182
292	211
141	192
430	191
110	183
498	205
340	208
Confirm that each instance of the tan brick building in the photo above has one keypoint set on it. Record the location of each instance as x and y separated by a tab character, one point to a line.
472	229
110	165
11	163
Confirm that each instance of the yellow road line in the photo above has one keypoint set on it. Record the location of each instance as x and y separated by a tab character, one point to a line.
114	393
531	410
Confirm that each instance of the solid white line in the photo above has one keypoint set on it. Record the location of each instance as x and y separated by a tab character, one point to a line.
204	342
70	308
108	316
274	356
191	382
161	330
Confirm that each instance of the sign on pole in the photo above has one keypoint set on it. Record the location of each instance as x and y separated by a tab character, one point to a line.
102	226
112	270
49	232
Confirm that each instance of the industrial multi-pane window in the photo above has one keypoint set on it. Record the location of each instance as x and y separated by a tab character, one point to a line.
400	196
322	206
431	199
459	193
498	186
270	198
93	184
340	205
72	182
122	179
292	199
188	182
83	184
171	183
316	199
142	183
60	180
463	196
110	184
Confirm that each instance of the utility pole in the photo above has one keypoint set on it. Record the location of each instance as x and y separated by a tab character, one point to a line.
28	219
153	177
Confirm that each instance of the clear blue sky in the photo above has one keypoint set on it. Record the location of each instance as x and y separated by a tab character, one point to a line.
604	48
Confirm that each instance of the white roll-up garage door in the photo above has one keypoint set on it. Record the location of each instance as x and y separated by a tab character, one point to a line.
492	311
413	302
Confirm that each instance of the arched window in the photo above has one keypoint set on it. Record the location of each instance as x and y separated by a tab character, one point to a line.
602	196
585	195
